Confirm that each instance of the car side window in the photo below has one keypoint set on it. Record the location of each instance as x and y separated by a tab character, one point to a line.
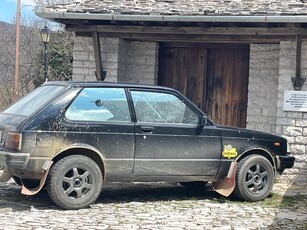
99	104
157	107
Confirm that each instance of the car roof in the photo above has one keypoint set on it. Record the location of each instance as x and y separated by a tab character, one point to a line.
107	84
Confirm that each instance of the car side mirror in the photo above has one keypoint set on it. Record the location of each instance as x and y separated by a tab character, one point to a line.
203	120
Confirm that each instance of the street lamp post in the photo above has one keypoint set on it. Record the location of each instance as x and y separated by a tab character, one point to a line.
45	35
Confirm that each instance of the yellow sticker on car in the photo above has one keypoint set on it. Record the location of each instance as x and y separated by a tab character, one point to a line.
229	152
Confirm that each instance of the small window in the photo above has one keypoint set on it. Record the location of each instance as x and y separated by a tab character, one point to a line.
156	107
99	104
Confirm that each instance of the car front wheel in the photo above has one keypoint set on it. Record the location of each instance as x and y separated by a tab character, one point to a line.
74	182
254	178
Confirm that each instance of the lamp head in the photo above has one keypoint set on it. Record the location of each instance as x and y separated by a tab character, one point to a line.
45	34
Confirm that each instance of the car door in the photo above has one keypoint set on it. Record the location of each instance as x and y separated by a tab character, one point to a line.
99	118
169	139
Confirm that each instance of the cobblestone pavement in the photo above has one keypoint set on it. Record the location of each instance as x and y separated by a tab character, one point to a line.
151	206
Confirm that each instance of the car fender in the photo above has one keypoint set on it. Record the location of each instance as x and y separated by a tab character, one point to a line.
82	146
259	151
64	152
79	148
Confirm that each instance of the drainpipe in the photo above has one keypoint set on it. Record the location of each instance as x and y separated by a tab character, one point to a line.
298	81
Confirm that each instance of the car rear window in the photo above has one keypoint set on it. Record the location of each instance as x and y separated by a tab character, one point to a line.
34	100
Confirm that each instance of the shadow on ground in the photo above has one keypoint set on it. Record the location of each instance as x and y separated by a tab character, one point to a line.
145	192
290	199
12	200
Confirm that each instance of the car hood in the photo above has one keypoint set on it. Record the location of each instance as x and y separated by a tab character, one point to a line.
227	131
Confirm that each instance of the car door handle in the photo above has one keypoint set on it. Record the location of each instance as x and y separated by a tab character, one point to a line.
147	129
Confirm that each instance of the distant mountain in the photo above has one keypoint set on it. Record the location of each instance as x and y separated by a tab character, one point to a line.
4	24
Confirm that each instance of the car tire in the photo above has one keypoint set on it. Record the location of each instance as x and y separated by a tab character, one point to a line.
74	182
254	178
194	185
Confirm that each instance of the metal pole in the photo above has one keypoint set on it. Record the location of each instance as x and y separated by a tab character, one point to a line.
45	63
16	78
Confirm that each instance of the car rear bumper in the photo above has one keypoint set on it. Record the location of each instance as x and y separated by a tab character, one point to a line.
9	160
22	165
285	161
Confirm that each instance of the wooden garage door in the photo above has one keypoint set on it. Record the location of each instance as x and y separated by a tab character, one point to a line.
215	79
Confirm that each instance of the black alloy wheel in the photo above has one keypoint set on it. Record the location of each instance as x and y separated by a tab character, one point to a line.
254	178
74	182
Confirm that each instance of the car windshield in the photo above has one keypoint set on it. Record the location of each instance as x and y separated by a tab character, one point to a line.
34	100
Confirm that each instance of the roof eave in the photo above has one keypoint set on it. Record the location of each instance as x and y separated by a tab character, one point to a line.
62	16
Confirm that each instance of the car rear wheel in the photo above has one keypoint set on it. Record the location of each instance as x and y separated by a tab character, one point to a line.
74	182
254	178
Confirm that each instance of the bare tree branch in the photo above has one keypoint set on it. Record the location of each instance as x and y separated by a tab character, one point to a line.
30	49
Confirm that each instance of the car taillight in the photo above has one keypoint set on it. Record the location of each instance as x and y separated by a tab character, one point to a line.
13	141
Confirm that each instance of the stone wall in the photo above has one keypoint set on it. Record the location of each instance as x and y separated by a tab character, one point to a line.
84	59
271	69
124	61
292	125
138	62
262	88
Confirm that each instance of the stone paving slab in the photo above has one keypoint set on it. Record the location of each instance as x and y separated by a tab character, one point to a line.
290	189
151	206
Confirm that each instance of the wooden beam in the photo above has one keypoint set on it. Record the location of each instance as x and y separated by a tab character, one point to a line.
298	81
256	31
195	38
98	61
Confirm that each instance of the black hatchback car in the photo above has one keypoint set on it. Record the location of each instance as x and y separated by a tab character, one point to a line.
73	136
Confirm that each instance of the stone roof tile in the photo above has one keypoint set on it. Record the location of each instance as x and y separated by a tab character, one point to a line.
185	7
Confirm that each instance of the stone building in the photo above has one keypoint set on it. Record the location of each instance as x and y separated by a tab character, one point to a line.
236	59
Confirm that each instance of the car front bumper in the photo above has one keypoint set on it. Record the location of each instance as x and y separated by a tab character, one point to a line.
284	162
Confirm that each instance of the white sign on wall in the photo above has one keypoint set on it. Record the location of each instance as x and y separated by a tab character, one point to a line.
295	101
